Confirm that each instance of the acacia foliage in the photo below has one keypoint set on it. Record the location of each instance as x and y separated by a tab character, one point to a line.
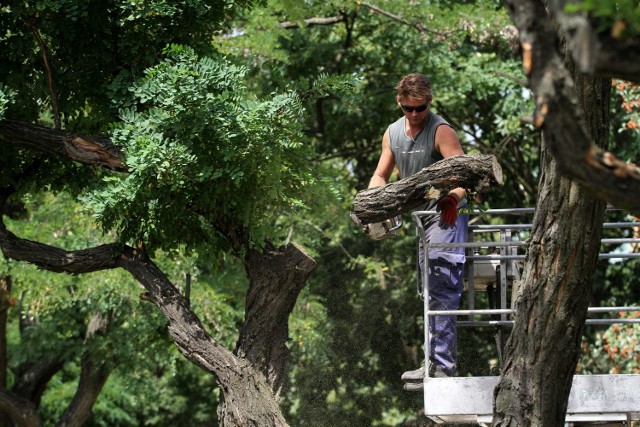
199	148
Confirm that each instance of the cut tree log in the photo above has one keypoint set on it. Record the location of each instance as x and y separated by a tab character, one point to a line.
475	173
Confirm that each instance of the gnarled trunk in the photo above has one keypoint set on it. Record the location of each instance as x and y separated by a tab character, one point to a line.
543	349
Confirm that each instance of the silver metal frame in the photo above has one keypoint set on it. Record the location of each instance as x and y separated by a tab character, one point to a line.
469	399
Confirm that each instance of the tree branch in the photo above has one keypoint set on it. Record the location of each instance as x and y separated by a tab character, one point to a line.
310	22
94	372
560	117
19	409
596	52
235	374
475	173
91	150
31	379
419	26
276	278
49	72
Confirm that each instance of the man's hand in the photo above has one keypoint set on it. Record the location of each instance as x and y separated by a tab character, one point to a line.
448	208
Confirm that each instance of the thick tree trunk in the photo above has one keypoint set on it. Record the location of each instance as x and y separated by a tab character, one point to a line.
276	277
543	349
247	397
474	173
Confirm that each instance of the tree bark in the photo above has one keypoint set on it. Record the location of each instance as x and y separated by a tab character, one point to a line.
276	277
31	380
474	173
21	411
544	346
247	398
94	372
93	375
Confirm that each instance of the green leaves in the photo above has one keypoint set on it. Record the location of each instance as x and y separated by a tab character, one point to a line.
6	97
208	164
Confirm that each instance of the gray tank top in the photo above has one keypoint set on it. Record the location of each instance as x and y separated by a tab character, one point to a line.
413	155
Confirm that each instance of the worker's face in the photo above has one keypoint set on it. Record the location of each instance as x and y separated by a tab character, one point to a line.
414	109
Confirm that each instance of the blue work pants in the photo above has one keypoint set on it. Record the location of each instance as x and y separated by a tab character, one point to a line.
446	268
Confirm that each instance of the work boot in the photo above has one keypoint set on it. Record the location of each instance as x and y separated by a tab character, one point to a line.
419	385
414	386
414	376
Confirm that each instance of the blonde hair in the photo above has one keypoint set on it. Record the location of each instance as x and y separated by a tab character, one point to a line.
414	86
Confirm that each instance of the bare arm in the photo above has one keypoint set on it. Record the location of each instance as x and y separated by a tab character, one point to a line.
385	165
448	144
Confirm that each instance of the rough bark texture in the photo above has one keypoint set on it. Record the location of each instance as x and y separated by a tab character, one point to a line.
543	349
276	277
247	399
20	410
251	380
474	173
97	151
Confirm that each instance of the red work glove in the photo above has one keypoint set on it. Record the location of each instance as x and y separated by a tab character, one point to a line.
448	208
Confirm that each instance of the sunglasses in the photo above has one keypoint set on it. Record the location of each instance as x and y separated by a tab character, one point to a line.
410	109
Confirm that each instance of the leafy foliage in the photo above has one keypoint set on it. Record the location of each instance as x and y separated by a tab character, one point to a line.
614	351
199	150
6	96
111	42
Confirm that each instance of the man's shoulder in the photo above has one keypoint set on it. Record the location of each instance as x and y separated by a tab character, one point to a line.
437	120
395	129
398	123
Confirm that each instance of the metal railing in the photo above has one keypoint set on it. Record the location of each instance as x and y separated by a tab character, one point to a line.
505	259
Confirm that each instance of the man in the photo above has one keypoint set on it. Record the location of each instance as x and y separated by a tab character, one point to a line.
416	140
